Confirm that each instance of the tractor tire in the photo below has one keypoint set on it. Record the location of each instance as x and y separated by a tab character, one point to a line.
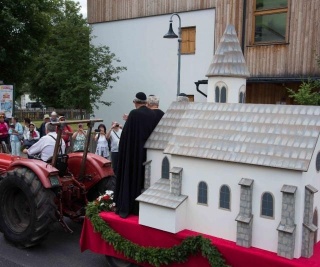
115	262
108	183
27	209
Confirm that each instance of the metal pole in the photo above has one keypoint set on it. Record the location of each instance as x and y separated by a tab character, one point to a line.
179	51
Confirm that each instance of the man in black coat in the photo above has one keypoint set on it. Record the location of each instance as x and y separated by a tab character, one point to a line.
132	154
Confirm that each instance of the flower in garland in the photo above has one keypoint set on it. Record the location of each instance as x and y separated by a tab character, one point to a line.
105	202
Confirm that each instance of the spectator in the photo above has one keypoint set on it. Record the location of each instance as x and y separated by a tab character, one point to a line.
42	130
66	132
26	127
79	138
114	135
32	136
102	142
16	135
3	129
153	104
54	116
45	146
132	155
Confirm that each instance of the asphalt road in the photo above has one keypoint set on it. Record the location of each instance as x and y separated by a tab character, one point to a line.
60	249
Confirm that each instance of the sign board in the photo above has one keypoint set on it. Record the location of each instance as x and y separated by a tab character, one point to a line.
6	100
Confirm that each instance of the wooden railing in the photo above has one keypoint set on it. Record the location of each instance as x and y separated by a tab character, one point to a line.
37	114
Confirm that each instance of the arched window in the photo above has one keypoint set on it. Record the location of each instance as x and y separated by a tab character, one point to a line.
267	205
224	202
318	162
242	94
223	95
242	97
221	92
202	193
217	98
165	168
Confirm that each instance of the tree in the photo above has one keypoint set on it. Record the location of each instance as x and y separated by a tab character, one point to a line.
70	71
24	25
308	92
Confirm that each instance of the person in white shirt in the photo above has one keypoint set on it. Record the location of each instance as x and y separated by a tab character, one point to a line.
32	136
114	135
102	142
45	146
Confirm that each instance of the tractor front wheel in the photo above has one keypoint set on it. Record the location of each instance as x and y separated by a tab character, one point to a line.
26	208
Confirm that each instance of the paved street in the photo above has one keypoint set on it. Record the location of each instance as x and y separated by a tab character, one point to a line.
59	249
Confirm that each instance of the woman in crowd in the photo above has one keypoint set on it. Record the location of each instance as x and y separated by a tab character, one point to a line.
79	138
16	135
102	142
113	135
32	136
3	131
66	133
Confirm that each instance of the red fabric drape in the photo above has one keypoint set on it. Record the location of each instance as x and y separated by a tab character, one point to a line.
235	256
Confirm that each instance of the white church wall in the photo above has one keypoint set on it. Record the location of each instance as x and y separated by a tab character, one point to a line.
151	60
156	157
312	177
233	87
221	223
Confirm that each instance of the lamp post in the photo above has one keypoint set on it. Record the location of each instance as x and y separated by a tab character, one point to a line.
170	34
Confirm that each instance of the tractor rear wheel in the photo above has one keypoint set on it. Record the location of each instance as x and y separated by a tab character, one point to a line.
26	208
107	183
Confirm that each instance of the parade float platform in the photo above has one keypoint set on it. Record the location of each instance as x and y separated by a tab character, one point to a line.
234	255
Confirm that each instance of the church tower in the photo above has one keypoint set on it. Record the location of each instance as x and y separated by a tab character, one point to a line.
228	72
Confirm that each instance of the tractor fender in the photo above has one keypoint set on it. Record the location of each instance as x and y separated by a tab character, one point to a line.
42	169
97	167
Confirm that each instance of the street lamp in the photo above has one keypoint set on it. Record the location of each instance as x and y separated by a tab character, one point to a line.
172	35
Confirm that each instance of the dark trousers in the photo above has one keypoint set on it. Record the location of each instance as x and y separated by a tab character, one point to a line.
114	160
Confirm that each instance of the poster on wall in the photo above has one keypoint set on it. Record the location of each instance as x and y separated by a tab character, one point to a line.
6	99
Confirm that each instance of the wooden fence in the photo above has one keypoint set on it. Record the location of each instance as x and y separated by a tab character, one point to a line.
37	114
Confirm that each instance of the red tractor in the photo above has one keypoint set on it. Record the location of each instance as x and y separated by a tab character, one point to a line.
34	193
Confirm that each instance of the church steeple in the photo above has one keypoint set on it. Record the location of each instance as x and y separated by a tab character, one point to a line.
228	71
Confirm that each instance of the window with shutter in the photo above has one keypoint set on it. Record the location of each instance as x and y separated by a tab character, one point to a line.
188	40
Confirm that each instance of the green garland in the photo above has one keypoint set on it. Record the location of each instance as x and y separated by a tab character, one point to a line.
154	255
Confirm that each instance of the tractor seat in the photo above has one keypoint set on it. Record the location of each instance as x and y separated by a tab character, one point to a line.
61	164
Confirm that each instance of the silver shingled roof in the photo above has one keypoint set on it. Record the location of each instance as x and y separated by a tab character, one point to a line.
228	59
159	195
280	136
165	128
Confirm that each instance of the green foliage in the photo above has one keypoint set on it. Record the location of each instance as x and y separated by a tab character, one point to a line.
307	94
24	27
154	255
69	70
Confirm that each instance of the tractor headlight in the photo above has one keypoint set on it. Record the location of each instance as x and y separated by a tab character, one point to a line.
54	180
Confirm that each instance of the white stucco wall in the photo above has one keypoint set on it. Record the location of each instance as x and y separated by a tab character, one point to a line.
151	60
211	220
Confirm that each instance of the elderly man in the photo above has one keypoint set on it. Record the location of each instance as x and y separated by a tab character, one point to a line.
42	130
132	155
153	104
45	146
54	116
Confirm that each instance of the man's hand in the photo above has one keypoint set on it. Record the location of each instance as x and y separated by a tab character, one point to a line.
25	151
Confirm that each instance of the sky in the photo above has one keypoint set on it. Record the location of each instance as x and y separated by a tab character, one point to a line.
83	4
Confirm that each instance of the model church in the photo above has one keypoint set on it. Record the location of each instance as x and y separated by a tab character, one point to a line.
248	173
